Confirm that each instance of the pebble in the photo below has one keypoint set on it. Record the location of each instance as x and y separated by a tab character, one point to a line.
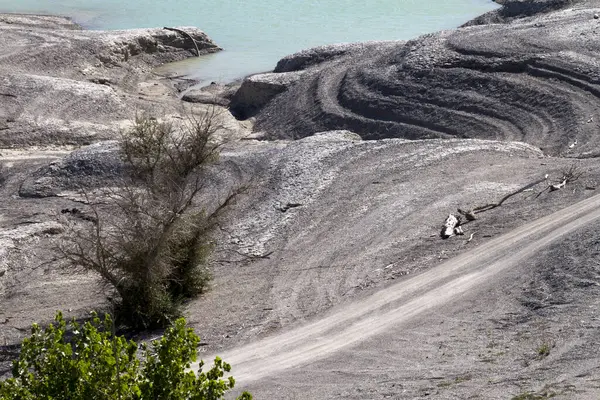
596	16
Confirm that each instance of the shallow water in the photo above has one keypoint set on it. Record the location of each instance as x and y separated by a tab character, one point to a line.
256	34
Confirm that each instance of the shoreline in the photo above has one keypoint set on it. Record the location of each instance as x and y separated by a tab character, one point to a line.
109	71
244	57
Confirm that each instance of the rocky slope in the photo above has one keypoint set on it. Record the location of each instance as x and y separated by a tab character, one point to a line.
515	9
534	79
62	85
329	218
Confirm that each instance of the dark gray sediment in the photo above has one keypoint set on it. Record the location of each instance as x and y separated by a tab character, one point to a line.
514	9
534	79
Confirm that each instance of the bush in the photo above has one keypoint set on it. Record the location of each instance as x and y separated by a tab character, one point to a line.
544	349
95	364
149	241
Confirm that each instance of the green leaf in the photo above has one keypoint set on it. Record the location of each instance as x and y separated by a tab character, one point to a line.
95	364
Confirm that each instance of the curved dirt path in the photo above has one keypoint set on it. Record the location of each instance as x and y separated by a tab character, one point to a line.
398	303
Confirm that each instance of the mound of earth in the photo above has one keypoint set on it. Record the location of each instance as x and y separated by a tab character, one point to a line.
329	220
63	85
534	80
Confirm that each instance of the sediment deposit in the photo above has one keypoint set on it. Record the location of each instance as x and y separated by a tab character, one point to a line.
534	79
60	84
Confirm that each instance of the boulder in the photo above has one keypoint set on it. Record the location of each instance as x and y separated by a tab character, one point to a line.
92	166
214	93
258	90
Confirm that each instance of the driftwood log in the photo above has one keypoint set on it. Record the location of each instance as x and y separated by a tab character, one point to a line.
451	227
470	215
491	206
184	33
558	186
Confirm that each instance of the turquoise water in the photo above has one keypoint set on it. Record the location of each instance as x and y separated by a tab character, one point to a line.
256	34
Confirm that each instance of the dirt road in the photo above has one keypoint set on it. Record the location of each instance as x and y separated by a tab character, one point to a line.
398	303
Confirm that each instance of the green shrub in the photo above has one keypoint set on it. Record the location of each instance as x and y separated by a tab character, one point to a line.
150	240
544	349
89	362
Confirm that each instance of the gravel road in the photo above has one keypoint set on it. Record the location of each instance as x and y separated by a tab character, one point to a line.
399	303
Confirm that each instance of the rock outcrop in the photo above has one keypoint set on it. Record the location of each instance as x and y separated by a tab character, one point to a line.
536	79
63	85
257	90
513	9
61	47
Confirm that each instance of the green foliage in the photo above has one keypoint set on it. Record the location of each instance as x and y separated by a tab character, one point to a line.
544	349
163	157
90	362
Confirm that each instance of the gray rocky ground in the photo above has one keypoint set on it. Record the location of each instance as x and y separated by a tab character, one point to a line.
370	147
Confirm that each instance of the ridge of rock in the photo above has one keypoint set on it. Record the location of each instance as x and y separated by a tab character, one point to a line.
60	84
537	81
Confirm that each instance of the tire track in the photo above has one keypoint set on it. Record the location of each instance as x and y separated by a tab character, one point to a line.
405	300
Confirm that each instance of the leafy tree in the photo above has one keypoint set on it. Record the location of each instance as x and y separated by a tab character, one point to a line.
89	361
148	238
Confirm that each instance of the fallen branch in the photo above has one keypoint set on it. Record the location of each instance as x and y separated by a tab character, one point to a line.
452	224
469	215
491	206
558	186
184	33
